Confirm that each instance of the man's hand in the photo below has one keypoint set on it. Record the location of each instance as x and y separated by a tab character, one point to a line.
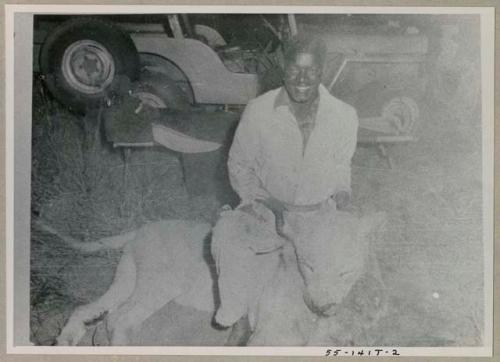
277	207
342	199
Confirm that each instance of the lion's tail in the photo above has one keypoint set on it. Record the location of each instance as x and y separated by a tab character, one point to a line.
112	242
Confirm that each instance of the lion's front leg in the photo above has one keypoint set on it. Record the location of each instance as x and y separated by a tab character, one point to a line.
121	288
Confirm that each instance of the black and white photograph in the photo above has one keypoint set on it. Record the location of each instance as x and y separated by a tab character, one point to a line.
250	177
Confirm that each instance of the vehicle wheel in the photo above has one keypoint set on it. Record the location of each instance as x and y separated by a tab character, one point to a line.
84	58
159	91
404	110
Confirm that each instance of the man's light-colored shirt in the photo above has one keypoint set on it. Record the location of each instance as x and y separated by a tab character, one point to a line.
305	121
268	152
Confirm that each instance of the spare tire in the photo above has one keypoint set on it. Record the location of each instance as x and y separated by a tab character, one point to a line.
84	58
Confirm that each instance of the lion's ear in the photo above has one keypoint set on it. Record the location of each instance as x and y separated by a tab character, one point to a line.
373	222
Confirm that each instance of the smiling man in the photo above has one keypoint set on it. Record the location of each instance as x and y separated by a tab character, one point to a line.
293	147
295	143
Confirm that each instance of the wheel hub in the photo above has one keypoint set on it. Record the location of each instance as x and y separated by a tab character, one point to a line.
88	66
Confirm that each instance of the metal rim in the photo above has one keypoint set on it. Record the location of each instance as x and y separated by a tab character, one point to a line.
88	66
405	110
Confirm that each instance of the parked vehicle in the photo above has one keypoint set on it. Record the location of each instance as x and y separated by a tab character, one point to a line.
82	58
176	60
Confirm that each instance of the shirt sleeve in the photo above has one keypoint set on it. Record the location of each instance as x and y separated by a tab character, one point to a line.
243	158
346	151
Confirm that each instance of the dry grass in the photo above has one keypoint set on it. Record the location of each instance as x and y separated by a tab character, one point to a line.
432	253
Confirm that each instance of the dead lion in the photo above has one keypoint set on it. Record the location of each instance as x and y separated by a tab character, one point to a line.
164	261
161	262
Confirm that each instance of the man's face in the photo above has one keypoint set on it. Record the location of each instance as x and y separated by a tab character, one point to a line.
302	78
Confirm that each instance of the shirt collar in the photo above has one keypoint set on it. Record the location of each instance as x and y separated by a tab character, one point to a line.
282	99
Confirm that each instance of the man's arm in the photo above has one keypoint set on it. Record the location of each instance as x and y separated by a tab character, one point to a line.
342	195
242	162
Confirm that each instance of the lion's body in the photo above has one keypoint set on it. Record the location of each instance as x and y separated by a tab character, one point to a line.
167	261
162	262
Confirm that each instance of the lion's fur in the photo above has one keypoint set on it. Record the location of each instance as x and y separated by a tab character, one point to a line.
161	262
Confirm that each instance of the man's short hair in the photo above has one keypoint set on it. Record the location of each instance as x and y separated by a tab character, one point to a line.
305	44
